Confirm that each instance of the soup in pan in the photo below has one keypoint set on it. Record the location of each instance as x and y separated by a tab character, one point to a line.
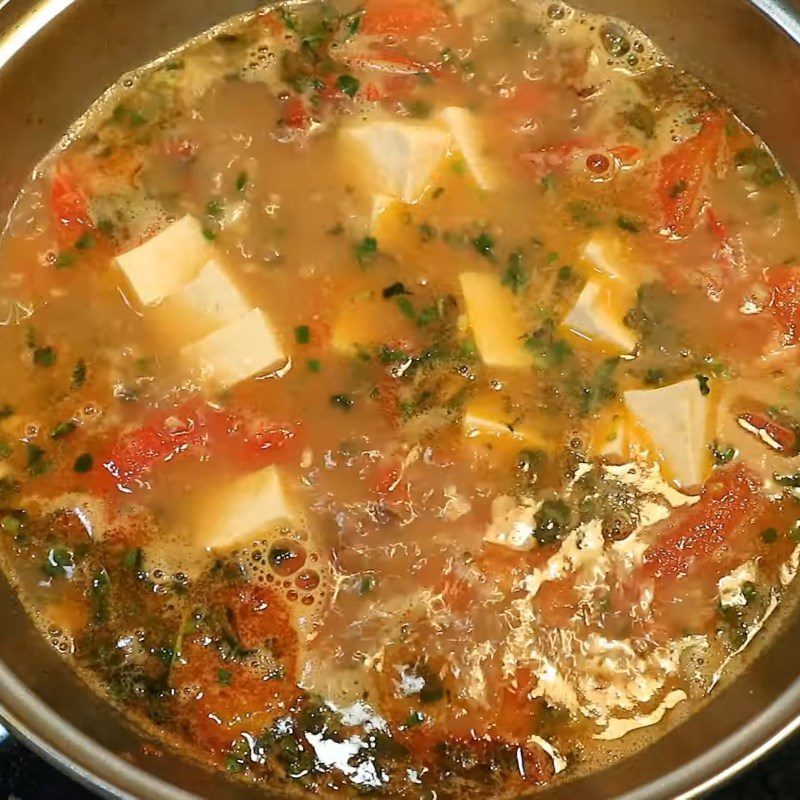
403	397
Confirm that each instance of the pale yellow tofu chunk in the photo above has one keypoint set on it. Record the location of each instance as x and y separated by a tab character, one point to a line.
398	158
675	419
487	418
245	347
167	261
366	321
237	514
595	319
202	305
495	322
467	139
610	256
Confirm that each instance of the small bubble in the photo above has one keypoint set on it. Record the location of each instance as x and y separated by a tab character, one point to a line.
308	600
308	580
292	595
614	40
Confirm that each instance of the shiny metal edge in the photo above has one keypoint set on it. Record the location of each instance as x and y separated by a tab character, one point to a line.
86	754
721	764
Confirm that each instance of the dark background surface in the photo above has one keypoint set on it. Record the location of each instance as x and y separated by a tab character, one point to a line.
23	776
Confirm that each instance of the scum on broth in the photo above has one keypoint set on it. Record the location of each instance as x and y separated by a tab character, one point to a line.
444	436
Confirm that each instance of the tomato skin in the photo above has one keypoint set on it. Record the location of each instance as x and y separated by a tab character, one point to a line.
784	301
408	18
296	114
683	175
192	430
68	207
730	498
770	432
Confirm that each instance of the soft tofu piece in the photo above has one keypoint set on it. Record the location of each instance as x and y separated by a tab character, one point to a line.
399	157
512	523
468	140
487	418
594	318
366	321
242	348
675	419
167	261
496	324
239	513
609	256
202	305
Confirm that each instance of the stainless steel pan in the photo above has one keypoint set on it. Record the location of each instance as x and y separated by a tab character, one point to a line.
56	56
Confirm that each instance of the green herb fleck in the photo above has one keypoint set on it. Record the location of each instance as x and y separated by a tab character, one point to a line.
515	277
224	677
314	365
214	208
302	334
642	118
58	562
241	182
63	429
11	524
44	356
678	189
348	85
394	290
366	249
36	458
406	307
342	401
484	244
83	463
132	559
64	259
79	374
705	389
769	535
628	224
85	241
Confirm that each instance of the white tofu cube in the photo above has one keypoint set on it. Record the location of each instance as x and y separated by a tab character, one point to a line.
242	348
399	157
165	262
675	419
593	318
239	513
201	306
496	324
468	140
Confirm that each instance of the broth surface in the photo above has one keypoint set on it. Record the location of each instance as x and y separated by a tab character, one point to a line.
402	397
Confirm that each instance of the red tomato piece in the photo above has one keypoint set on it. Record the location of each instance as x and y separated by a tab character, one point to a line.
296	113
769	431
193	430
683	176
730	498
626	154
387	481
784	302
556	156
68	207
409	18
